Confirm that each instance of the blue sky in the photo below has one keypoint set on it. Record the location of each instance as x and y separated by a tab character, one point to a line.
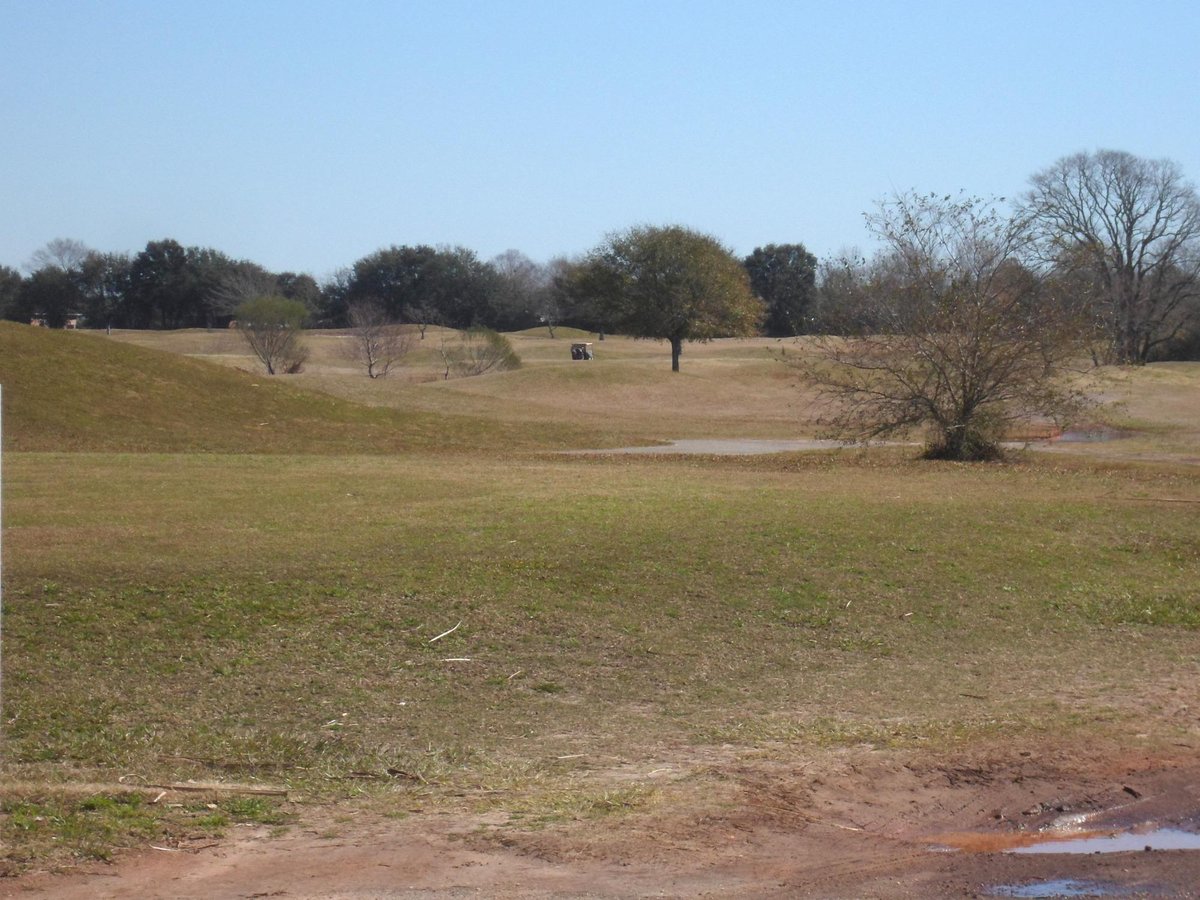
304	135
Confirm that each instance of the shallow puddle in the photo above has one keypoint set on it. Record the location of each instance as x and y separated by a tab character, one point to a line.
1120	842
1093	841
1061	887
1097	434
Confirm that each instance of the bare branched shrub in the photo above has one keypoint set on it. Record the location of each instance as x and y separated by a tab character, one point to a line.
272	327
949	331
477	351
377	343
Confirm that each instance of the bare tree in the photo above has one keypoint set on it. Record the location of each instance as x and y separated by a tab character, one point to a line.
67	254
422	315
377	342
1133	226
272	327
243	282
952	333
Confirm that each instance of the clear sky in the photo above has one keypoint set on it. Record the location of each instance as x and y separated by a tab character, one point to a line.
305	135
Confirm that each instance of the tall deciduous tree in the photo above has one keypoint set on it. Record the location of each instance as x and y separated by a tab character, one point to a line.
784	277
520	283
673	284
67	254
1134	226
960	340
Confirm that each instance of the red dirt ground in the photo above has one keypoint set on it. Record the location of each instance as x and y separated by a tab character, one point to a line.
855	823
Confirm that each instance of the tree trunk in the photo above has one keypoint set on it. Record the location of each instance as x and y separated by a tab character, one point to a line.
676	349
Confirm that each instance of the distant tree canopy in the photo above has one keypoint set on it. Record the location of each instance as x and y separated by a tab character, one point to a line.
165	285
525	294
10	289
51	294
450	285
1117	240
670	283
784	277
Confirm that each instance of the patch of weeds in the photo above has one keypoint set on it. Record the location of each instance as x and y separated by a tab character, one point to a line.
62	829
213	821
255	810
549	687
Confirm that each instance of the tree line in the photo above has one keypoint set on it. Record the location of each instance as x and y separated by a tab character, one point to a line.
1117	235
169	286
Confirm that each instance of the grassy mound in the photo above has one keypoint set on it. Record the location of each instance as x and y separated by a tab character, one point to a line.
75	391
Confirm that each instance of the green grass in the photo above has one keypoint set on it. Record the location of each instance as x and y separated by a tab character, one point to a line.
218	631
267	614
60	827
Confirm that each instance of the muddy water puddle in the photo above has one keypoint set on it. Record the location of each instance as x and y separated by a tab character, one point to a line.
1091	434
1118	842
1052	841
1068	887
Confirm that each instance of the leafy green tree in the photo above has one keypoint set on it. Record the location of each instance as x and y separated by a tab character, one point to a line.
172	286
784	277
300	286
50	293
104	286
163	287
272	327
670	283
451	282
10	290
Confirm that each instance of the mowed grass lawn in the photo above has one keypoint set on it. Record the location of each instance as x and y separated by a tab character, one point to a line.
275	618
272	618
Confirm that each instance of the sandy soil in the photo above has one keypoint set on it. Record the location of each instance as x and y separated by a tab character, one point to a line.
854	823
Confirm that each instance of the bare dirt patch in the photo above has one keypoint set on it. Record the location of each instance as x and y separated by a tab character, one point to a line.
851	823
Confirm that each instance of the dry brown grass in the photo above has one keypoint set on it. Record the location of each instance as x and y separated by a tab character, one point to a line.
728	388
733	388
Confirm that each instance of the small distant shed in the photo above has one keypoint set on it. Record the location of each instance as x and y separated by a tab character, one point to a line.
581	350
